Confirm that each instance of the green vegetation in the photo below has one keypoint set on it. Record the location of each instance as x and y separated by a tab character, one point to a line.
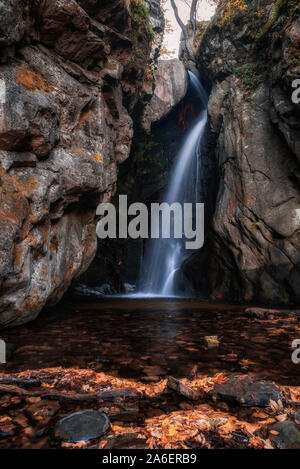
251	74
233	9
146	162
233	12
296	61
209	31
258	30
139	12
278	6
201	27
278	25
140	15
226	94
289	9
146	159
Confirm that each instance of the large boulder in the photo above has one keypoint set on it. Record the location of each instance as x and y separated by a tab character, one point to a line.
171	83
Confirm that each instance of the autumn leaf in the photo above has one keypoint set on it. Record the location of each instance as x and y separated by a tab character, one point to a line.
172	430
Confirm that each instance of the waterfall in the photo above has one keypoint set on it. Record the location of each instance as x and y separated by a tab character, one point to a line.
164	257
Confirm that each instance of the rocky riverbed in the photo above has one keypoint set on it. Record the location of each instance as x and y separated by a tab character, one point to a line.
158	380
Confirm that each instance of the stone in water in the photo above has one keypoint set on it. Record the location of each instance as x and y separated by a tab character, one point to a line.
82	426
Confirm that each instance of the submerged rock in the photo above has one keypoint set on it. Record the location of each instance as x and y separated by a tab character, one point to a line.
7	428
297	417
82	426
285	435
125	394
245	391
182	389
261	313
130	441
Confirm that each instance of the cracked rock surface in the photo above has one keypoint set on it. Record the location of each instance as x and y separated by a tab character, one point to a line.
72	74
254	137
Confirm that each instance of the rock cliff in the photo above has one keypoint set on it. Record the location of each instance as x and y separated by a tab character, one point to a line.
73	74
171	84
250	54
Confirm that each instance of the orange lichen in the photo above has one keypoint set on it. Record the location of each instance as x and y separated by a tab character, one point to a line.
78	150
31	80
148	73
233	7
27	185
12	201
8	217
33	303
31	240
19	252
97	157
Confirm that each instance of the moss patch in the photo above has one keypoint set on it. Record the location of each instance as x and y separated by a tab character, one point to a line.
252	74
146	162
140	15
278	6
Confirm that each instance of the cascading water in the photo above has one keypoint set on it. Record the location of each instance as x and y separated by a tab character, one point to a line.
166	256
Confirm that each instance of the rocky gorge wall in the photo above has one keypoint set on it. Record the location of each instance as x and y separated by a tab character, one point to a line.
250	55
73	76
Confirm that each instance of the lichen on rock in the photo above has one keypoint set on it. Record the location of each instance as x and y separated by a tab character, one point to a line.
72	75
252	247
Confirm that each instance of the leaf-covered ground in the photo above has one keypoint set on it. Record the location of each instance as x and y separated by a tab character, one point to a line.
65	360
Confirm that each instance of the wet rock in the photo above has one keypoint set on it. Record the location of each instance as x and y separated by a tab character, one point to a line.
262	313
21	420
129	441
182	389
82	426
297	417
245	391
285	435
295	314
7	427
123	413
124	394
42	412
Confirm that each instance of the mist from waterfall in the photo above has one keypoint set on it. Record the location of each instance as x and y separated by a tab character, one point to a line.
164	257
